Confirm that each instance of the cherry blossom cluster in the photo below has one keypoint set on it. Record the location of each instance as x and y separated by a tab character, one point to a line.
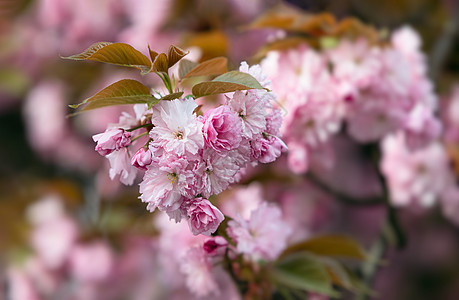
373	93
188	158
59	256
174	264
373	90
254	238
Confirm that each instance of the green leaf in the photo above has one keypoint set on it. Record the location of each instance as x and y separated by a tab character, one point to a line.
214	66
172	96
358	286
225	83
337	272
185	66
160	63
126	91
303	270
174	54
152	53
115	53
330	245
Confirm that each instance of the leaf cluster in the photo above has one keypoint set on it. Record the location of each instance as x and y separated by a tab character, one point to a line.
318	265
311	29
129	91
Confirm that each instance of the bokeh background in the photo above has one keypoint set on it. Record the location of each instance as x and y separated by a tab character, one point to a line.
48	158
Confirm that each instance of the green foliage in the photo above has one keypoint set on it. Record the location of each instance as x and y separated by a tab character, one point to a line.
130	91
330	245
162	61
229	82
126	91
115	53
172	96
185	66
211	67
174	55
312	265
304	271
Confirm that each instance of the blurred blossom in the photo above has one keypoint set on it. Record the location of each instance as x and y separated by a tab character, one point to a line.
450	115
241	200
421	127
49	132
258	238
20	286
198	271
45	209
44	114
53	237
77	23
332	119
91	262
413	179
376	90
215	246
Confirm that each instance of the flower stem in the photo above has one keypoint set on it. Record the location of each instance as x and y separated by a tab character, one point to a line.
139	136
166	80
138	127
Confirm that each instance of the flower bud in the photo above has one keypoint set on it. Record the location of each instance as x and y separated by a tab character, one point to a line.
141	159
215	246
111	140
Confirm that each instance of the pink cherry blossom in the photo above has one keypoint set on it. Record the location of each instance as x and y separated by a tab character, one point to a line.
258	237
267	149
141	159
203	217
44	116
355	63
295	73
120	164
222	129
395	76
215	246
450	115
215	172
91	262
311	123
54	239
176	128
410	176
450	203
164	183
20	286
197	267
251	111
111	140
421	127
408	42
373	118
274	122
298	158
242	200
257	72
